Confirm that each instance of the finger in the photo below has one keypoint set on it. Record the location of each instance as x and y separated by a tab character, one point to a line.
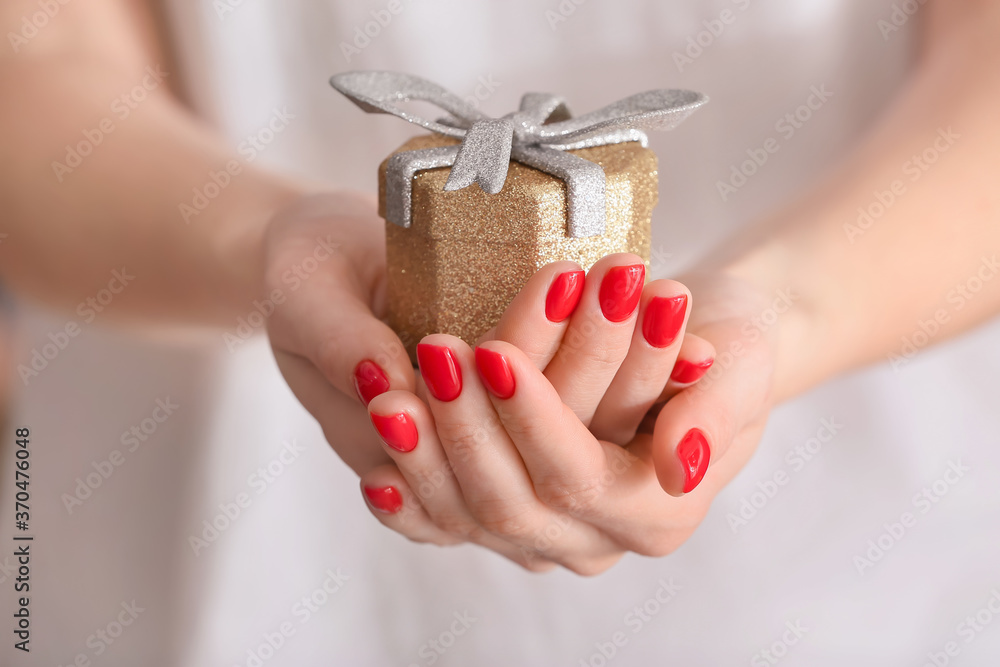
357	353
646	369
597	340
697	426
320	292
328	406
406	427
558	451
597	482
695	358
393	503
539	315
488	467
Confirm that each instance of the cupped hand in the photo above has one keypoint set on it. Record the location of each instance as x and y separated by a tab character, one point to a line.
517	446
324	285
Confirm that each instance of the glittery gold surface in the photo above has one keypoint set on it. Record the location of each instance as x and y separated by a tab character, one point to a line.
467	254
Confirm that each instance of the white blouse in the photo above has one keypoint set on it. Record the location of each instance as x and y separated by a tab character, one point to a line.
860	532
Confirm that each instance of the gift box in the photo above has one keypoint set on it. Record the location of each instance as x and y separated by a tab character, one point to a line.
552	187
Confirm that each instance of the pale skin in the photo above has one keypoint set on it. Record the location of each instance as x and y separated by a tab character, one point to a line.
544	484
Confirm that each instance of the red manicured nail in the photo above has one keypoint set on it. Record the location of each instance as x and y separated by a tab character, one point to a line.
687	372
370	380
441	371
398	430
694	453
663	319
495	372
386	499
620	291
564	295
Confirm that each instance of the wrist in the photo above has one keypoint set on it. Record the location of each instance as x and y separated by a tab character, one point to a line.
791	313
238	241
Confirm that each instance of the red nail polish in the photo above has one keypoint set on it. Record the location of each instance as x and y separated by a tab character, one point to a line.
441	371
495	372
398	430
663	319
620	291
687	372
386	499
564	295
694	453
369	380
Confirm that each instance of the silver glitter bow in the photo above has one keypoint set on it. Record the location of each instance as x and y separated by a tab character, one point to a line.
538	135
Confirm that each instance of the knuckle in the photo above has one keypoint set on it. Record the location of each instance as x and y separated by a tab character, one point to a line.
587	345
457	524
327	356
506	519
428	484
463	438
523	427
445	541
404	520
593	566
570	497
440	541
620	435
601	356
509	526
537	565
653	374
660	541
655	548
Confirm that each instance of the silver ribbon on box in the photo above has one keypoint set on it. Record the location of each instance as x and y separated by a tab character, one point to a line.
538	135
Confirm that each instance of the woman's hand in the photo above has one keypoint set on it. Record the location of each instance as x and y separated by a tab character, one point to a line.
499	453
324	283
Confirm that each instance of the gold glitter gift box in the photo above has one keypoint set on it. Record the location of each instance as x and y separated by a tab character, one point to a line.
551	187
467	253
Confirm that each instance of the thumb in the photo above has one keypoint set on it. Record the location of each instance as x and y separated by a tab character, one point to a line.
697	427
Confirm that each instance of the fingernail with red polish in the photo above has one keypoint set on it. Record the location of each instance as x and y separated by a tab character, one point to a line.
370	380
663	319
694	454
564	295
687	372
620	291
495	372
386	499
441	371
398	430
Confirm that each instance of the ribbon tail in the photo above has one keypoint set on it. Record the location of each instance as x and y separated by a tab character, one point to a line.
484	156
399	173
585	185
614	136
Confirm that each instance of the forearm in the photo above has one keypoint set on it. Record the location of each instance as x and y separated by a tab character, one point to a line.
95	178
904	239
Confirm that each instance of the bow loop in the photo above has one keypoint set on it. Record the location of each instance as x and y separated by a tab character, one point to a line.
651	110
375	92
544	107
